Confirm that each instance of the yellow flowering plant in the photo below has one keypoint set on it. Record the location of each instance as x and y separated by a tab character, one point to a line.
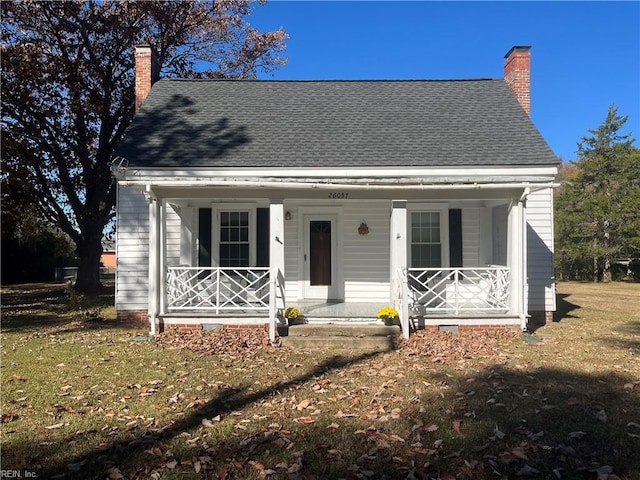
291	313
387	313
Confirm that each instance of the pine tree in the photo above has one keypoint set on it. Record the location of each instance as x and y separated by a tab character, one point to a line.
597	211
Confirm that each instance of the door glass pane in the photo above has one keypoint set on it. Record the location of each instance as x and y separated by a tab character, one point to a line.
320	252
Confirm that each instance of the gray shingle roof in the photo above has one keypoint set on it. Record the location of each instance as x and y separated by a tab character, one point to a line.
242	123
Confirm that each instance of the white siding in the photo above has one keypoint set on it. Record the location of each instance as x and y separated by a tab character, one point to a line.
173	235
366	257
471	236
499	222
540	251
291	245
132	274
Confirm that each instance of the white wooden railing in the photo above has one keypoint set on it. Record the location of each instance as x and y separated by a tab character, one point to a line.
458	290
218	289
399	298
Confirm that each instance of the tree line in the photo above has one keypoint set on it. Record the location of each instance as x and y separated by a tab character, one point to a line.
597	207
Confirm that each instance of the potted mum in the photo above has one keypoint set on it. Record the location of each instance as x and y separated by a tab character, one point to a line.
389	315
292	314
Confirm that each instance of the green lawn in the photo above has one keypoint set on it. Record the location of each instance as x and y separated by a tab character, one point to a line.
83	399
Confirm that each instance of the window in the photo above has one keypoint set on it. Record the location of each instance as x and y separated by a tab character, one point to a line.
233	235
234	239
426	247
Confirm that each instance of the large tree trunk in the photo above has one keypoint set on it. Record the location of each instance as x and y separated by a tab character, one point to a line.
89	252
606	269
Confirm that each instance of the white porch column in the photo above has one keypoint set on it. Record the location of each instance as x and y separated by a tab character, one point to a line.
154	259
398	261
516	248
276	263
162	242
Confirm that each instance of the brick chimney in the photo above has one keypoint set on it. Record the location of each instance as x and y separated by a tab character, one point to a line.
517	74
147	72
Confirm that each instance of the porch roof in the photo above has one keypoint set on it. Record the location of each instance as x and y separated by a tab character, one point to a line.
374	123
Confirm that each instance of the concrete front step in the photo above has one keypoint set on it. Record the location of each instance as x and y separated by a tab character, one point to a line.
342	337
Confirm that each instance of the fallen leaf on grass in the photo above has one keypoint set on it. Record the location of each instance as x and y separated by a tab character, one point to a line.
57	425
579	434
518	452
527	471
115	473
304	404
305	420
601	415
456	426
498	434
454	454
480	448
341	414
9	417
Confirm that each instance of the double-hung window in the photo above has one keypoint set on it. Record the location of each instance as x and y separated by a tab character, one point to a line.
426	243
234	245
233	235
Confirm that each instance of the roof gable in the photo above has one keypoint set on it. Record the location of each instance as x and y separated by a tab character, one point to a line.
258	123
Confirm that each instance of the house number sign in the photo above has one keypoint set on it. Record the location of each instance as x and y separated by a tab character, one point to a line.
339	195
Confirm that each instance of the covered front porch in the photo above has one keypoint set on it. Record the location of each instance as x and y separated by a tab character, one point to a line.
423	297
221	260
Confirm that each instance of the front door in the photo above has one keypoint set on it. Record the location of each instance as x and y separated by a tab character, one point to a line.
320	257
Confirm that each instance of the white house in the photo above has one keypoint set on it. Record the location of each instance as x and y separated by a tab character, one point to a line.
238	198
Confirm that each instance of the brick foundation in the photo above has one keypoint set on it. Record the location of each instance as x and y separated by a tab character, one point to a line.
540	318
489	328
196	327
134	318
178	327
476	328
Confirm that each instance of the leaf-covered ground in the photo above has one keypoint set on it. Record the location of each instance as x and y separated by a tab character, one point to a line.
87	399
438	346
229	342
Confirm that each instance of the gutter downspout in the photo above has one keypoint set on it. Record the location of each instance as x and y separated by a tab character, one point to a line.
524	311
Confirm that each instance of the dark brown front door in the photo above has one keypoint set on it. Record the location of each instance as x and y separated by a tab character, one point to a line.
320	252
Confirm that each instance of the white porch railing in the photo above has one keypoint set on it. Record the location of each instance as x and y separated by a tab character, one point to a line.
399	298
458	290
218	289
